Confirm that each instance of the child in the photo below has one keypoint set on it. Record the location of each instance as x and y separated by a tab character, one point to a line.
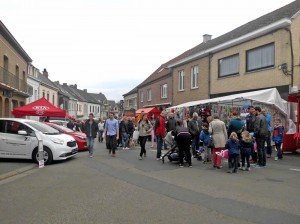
246	146
204	137
233	147
278	137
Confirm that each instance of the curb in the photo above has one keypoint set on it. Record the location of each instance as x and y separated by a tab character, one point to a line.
18	171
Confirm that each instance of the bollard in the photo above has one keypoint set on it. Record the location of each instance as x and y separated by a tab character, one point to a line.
40	149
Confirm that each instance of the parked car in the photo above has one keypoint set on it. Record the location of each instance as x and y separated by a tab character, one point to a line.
18	141
78	136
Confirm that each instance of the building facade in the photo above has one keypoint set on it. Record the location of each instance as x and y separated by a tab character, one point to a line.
13	73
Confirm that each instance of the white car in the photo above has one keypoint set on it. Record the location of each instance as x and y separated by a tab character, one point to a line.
18	141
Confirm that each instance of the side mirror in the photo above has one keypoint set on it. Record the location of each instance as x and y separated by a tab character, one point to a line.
22	132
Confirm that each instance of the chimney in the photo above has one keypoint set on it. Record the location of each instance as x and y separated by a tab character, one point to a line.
64	83
57	82
45	73
206	37
85	90
75	86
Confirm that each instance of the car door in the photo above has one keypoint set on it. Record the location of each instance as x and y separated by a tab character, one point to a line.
14	145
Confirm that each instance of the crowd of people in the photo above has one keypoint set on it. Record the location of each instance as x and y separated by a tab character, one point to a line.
243	140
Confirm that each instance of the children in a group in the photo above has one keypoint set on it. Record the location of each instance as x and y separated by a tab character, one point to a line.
246	148
233	146
204	137
278	137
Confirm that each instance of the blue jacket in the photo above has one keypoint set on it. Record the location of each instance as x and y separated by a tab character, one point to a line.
278	134
204	136
232	146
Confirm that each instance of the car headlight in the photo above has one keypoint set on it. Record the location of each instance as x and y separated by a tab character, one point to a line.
81	137
57	141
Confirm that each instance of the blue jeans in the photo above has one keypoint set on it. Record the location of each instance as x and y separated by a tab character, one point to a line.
269	147
159	146
100	133
124	139
90	144
279	150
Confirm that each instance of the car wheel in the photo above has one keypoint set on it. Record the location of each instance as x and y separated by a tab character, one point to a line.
48	157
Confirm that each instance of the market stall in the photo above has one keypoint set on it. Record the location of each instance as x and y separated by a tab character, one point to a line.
148	111
224	106
41	107
291	140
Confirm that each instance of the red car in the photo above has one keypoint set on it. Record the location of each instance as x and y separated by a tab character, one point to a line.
78	136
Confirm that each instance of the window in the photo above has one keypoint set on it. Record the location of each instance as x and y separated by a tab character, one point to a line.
48	95
44	93
229	65
163	91
194	77
53	99
17	71
142	96
149	95
181	80
261	57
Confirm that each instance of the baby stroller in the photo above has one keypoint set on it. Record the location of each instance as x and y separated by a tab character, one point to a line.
172	154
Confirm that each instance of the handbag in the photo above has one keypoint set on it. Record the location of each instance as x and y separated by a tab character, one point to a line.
211	142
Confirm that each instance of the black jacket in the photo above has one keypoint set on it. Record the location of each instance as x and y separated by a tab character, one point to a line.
88	128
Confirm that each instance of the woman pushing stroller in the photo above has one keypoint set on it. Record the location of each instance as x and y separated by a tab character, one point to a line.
183	137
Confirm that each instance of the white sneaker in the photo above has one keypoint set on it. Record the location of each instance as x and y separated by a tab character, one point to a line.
123	148
126	148
276	158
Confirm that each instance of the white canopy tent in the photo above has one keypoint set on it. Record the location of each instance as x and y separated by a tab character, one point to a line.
266	96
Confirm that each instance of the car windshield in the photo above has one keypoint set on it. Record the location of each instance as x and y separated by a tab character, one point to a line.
63	128
43	128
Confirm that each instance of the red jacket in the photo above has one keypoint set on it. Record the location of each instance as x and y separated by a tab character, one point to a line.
161	129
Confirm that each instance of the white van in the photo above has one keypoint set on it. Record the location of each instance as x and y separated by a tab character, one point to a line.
18	141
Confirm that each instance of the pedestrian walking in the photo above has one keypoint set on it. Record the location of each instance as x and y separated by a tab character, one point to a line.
91	130
204	137
160	131
246	144
261	135
195	127
145	129
124	132
218	131
111	134
278	133
269	120
100	130
233	147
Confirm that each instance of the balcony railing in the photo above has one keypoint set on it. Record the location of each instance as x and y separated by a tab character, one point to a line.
13	82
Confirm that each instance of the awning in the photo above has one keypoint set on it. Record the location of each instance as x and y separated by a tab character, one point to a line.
147	110
40	107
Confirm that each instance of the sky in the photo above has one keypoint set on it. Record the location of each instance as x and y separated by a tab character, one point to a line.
111	46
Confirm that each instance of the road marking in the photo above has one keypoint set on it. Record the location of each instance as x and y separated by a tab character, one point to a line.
294	169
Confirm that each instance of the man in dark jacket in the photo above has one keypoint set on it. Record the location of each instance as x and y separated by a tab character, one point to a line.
91	130
195	127
261	135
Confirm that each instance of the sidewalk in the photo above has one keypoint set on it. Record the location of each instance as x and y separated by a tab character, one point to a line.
12	167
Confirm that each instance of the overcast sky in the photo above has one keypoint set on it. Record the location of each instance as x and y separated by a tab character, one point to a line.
111	46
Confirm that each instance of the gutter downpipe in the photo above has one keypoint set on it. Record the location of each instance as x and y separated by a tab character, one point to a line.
209	75
292	56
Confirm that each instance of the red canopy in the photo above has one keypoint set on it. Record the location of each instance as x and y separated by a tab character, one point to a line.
40	107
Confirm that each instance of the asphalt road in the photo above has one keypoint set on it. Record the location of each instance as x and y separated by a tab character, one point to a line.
124	189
